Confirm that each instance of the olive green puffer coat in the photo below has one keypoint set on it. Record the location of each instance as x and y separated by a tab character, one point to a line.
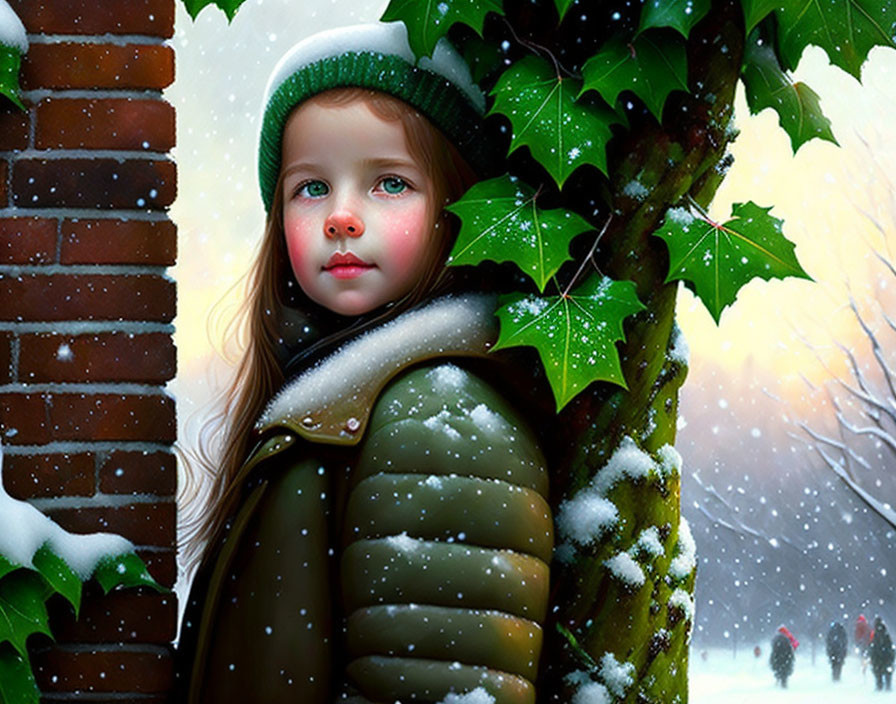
394	539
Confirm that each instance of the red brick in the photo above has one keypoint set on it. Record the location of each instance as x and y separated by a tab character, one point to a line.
122	616
119	242
63	670
23	419
50	357
112	417
27	240
162	565
14	124
148	17
142	524
69	65
86	297
4	170
120	123
42	476
138	184
6	340
139	473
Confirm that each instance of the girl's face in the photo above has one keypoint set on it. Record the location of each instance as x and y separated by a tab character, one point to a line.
357	210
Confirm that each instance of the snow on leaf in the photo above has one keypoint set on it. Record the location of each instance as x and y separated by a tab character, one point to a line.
12	32
229	7
680	15
561	134
427	22
651	67
501	222
13	44
768	86
575	335
718	260
846	29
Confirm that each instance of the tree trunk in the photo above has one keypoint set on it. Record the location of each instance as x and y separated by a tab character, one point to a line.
603	613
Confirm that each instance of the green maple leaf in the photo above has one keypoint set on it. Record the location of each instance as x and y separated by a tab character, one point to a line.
10	63
126	570
846	29
229	7
680	15
58	575
22	608
575	335
429	20
500	222
17	685
717	260
797	105
757	10
563	7
561	134
651	67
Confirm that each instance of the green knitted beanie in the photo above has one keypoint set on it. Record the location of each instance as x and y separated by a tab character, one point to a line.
375	56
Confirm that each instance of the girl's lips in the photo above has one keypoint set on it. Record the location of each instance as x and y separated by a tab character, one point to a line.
348	271
346	266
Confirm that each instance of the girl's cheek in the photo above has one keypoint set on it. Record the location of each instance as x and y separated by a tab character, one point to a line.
408	236
297	230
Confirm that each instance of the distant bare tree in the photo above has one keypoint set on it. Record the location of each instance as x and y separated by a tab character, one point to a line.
858	441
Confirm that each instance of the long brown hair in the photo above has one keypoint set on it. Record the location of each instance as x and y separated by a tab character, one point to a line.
209	494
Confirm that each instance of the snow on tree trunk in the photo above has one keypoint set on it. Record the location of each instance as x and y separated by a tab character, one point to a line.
629	595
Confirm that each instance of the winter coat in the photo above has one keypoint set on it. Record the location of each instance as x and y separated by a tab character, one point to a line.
836	643
880	650
781	659
395	494
862	633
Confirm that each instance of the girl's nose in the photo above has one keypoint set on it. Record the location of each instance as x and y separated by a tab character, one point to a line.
343	223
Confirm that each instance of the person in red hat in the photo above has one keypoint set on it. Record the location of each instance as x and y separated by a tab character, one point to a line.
862	634
781	660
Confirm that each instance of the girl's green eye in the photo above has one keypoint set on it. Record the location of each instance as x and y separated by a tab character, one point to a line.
315	189
394	186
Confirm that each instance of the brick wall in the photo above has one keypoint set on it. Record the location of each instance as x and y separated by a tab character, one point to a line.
86	315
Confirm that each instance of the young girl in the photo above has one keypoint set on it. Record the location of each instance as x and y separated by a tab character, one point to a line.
379	529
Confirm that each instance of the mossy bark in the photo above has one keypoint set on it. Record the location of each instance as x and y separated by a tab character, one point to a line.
642	625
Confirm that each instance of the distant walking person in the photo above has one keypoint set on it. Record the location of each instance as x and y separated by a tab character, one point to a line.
881	653
781	659
862	634
836	642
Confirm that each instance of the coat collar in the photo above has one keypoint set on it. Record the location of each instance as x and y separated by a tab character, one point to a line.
331	401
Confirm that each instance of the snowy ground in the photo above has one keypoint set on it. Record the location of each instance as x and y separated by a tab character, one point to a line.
723	679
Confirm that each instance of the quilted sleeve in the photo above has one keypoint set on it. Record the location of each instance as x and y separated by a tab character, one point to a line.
448	541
